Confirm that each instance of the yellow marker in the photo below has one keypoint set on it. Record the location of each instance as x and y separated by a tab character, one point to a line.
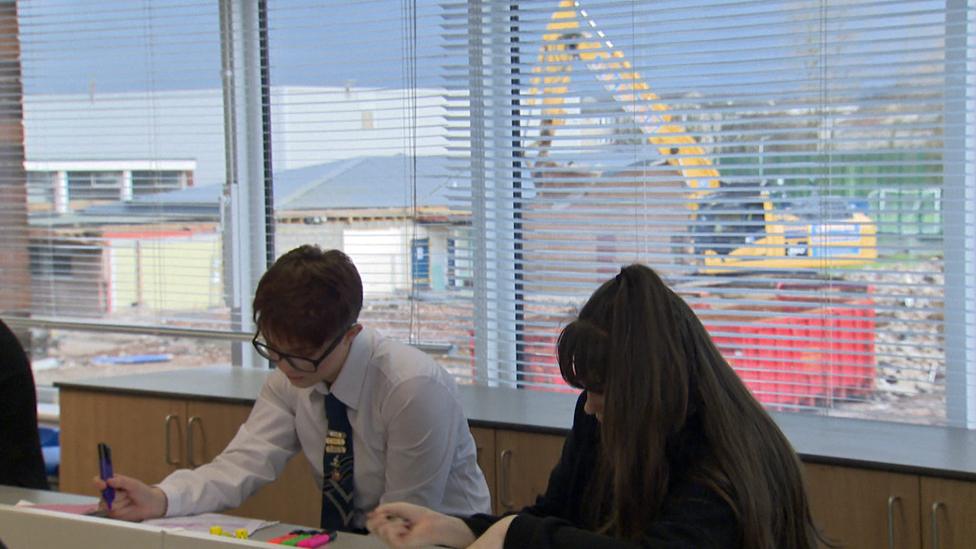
216	530
240	533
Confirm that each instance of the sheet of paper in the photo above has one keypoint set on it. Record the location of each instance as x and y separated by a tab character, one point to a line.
202	523
197	523
72	508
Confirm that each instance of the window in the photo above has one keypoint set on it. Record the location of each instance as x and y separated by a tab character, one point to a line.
730	220
802	173
89	186
360	123
151	182
459	264
40	189
420	262
122	105
50	265
780	164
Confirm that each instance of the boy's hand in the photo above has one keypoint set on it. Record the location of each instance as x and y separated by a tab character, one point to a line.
134	499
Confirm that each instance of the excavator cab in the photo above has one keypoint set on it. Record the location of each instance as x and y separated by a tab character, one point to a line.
742	228
728	220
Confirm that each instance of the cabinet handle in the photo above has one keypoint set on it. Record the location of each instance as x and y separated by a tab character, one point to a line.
935	523
189	439
506	492
891	520
170	418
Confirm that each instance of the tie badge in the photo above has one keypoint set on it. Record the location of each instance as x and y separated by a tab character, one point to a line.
336	465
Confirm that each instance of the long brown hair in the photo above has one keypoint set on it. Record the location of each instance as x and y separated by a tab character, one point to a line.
674	407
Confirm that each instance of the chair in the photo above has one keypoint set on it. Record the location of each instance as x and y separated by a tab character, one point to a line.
21	460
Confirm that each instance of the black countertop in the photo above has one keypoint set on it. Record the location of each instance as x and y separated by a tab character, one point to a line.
938	451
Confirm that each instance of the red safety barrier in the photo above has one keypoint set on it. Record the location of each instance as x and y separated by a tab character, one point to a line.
804	352
817	355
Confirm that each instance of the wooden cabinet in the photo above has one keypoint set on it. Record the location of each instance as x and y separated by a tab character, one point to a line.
856	507
867	509
484	440
864	509
145	433
152	437
523	463
516	465
294	497
948	514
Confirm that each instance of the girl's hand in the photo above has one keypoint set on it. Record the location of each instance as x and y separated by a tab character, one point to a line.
402	525
134	499
494	537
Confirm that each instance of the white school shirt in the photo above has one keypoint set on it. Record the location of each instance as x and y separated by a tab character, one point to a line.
411	440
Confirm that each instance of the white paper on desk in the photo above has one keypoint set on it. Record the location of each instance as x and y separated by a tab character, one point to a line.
202	523
70	508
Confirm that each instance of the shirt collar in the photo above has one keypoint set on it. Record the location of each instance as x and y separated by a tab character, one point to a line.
348	385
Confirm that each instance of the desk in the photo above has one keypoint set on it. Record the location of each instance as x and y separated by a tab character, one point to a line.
10	495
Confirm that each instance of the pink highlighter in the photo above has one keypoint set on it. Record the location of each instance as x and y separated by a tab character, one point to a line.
317	540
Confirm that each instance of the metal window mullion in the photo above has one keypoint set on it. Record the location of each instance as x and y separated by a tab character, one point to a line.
476	96
959	209
492	217
245	205
505	359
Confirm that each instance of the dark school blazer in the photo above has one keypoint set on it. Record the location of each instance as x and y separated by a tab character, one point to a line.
21	462
693	516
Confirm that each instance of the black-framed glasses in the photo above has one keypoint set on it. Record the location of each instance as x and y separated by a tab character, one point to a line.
300	363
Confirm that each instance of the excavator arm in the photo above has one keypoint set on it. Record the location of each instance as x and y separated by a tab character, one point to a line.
725	241
572	36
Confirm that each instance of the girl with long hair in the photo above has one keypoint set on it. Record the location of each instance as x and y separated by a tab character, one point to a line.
668	447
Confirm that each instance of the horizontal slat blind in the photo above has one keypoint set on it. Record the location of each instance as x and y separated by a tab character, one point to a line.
801	172
787	167
359	126
121	111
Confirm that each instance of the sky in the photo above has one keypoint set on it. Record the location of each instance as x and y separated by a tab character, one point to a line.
107	46
718	46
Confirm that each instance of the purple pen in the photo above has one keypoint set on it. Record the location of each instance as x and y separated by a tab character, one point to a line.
105	471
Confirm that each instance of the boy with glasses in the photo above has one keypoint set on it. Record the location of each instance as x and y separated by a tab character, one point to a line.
379	420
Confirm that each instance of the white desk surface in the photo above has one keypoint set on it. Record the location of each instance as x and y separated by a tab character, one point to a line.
10	495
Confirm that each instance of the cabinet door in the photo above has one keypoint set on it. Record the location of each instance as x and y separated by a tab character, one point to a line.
293	498
948	514
484	440
865	509
145	444
524	463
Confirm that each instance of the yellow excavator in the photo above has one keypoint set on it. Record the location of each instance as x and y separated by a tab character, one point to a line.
733	227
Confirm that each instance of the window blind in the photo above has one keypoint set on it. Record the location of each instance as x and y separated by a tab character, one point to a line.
800	172
118	226
360	120
235	133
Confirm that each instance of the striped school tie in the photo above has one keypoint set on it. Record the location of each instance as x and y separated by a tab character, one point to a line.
337	485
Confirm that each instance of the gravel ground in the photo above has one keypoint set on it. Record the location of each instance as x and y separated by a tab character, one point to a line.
910	345
75	352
